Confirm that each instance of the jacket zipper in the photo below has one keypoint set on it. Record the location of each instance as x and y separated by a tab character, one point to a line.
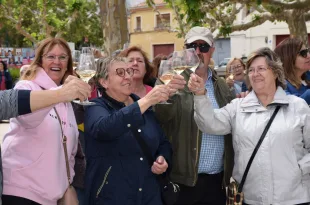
104	180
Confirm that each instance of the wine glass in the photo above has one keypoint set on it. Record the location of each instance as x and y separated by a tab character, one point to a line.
191	59
165	73
76	58
86	69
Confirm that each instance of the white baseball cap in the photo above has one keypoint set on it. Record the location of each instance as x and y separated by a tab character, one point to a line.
199	33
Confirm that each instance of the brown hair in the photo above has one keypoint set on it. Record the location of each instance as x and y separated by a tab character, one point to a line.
287	51
230	62
156	63
45	46
148	66
273	62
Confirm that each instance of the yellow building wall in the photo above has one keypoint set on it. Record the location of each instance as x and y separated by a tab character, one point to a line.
148	36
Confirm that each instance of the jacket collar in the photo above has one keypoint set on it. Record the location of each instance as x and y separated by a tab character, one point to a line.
111	102
251	102
43	80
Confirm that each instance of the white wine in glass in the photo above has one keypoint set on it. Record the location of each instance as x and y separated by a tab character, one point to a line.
165	74
166	78
86	70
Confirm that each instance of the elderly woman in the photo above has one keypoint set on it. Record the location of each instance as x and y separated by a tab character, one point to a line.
235	77
143	70
117	171
34	162
279	174
295	57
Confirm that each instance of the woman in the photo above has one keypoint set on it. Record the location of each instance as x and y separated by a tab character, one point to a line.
117	171
5	77
295	57
280	170
235	77
143	78
156	63
34	166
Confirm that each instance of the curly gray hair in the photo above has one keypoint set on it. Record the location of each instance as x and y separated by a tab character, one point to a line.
103	65
273	62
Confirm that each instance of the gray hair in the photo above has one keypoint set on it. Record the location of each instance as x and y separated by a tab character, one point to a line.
103	65
274	63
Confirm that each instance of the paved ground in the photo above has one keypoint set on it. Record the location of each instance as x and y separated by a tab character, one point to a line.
3	129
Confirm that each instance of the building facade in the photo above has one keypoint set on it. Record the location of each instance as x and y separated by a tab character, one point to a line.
154	33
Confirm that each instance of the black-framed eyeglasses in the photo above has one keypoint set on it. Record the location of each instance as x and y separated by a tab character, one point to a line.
121	72
204	48
303	53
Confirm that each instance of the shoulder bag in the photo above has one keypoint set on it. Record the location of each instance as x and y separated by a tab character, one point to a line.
70	196
234	192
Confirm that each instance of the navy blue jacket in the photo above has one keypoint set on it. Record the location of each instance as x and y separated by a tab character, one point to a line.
303	92
117	172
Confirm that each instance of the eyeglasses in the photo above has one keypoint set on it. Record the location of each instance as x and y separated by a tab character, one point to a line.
61	58
235	67
303	53
204	48
251	71
121	72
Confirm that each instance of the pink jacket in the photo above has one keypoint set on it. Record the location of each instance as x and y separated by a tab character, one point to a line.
33	157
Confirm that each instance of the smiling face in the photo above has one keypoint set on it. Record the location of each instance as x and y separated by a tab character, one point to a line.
136	61
302	64
115	85
237	69
55	68
262	78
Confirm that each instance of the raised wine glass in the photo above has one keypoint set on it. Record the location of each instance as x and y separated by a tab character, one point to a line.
86	70
165	73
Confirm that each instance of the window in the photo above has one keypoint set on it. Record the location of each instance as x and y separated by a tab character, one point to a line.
163	21
138	23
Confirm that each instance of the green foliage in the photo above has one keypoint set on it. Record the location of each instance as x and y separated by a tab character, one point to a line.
72	19
225	30
15	73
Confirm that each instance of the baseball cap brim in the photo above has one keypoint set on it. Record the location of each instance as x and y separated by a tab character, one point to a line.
196	38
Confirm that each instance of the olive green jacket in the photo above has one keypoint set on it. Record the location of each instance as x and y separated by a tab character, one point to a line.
177	120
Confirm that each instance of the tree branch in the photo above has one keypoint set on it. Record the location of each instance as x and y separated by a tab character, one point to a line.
18	24
307	16
301	4
244	26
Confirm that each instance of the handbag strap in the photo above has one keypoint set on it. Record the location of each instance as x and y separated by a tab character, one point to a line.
64	142
256	148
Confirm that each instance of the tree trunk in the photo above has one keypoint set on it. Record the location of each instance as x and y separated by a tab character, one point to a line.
114	24
297	25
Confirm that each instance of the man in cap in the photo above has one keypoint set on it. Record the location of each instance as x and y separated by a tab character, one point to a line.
202	164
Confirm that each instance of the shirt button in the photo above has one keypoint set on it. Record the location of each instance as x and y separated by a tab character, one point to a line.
129	125
141	159
194	149
140	189
139	130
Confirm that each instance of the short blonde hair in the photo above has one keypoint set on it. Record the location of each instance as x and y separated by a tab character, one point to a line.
273	62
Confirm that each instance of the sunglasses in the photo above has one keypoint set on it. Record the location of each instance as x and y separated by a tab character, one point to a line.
121	72
203	48
303	53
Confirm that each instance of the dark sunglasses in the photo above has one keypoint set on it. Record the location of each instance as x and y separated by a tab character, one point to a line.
204	48
121	72
303	53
